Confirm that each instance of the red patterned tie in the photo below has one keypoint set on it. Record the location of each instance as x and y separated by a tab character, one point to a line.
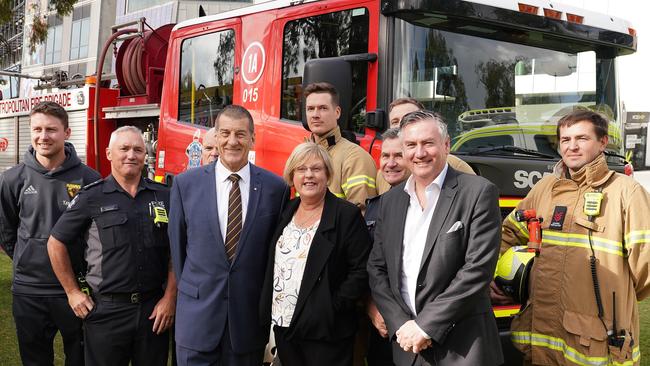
233	230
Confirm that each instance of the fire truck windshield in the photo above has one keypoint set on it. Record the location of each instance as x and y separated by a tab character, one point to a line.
495	91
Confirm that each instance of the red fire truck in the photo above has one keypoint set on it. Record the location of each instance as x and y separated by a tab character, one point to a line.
501	72
535	60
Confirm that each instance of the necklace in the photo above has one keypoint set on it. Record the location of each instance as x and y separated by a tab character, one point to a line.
303	223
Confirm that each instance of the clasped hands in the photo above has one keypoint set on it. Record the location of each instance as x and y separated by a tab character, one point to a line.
411	338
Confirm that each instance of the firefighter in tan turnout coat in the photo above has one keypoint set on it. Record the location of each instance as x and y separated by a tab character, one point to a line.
354	170
561	324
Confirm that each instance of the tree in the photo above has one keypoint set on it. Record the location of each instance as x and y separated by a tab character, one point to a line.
38	32
498	78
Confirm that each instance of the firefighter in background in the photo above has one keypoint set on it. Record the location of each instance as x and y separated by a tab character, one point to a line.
592	268
354	169
398	109
393	169
33	195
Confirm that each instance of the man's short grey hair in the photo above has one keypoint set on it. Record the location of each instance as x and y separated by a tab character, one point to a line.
390	134
235	111
122	130
420	116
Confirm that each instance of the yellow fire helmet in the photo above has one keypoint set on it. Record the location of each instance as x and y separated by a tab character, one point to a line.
512	272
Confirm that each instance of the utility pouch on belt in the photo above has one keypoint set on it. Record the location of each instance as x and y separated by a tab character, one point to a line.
621	350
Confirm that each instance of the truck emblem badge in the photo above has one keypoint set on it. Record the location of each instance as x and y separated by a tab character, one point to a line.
4	144
193	151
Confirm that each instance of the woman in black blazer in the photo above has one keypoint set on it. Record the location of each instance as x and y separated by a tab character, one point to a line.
316	270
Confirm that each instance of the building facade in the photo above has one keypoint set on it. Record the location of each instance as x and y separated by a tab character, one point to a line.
161	12
73	43
11	44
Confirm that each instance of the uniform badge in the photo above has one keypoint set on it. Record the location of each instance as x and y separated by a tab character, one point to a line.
158	212
193	151
72	188
557	221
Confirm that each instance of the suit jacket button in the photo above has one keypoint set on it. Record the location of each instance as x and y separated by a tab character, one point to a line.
420	285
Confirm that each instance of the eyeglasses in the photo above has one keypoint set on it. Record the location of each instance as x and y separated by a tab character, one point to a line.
316	169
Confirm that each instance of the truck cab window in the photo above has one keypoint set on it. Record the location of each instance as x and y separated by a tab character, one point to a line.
327	35
486	83
206	78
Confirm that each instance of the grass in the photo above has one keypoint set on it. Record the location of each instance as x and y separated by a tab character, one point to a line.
9	346
644	314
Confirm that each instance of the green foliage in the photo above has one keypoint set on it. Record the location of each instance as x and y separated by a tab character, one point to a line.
5	11
62	7
38	32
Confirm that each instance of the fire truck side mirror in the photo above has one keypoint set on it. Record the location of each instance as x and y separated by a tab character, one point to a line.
376	119
336	72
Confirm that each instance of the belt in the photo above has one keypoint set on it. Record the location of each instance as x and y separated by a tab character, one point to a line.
129	298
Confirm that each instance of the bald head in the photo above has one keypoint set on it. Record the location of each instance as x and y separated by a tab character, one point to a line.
210	152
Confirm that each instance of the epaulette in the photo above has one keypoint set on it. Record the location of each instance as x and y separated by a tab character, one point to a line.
90	185
158	184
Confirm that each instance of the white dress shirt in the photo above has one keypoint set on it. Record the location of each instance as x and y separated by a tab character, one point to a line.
223	191
416	227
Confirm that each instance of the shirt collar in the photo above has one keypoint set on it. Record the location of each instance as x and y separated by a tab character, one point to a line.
111	185
409	187
223	173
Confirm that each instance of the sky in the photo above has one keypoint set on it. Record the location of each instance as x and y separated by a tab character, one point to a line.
634	78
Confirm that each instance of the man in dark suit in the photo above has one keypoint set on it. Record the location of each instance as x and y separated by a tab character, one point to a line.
222	216
435	250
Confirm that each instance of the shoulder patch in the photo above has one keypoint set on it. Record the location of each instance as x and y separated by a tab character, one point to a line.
73	202
95	183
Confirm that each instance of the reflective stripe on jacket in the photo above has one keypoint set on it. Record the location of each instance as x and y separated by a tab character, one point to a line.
560	323
354	169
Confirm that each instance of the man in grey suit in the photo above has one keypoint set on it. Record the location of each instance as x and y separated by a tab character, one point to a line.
436	247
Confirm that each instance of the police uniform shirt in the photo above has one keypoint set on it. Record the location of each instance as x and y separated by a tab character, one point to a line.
126	251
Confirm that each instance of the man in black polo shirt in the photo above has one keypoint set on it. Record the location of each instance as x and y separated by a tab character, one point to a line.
127	317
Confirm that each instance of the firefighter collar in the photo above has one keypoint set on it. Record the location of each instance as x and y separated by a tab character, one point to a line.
330	139
594	174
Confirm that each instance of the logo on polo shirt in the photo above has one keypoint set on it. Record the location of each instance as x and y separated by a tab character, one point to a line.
31	190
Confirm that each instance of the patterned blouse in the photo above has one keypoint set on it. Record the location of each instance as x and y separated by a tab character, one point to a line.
291	252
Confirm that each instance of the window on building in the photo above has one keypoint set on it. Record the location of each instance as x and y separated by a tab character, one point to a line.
77	70
135	5
206	78
54	39
327	35
80	32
